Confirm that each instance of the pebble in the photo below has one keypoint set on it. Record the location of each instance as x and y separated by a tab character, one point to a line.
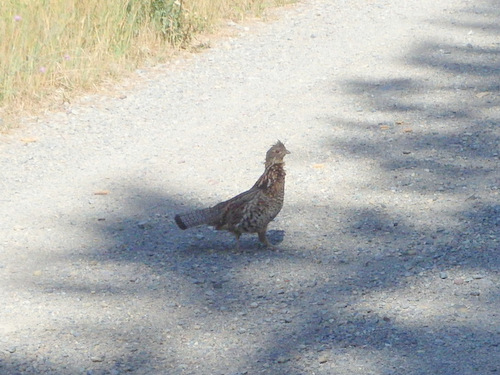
145	224
217	285
443	275
283	359
323	358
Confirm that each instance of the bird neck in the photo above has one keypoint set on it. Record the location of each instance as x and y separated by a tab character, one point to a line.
272	162
273	174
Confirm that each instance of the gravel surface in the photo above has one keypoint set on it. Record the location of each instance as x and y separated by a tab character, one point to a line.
388	243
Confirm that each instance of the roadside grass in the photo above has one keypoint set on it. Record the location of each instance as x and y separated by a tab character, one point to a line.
51	50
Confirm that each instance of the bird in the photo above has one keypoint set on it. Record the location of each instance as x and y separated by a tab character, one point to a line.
250	211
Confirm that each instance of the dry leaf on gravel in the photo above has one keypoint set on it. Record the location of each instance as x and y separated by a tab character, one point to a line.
482	94
101	192
28	140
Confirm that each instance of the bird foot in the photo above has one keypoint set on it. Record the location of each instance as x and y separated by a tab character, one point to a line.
267	245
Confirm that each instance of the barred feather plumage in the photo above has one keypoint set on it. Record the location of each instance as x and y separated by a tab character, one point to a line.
198	217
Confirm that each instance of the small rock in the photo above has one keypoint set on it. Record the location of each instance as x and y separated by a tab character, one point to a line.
478	276
443	275
253	305
475	293
145	224
97	358
323	358
283	359
458	281
409	252
461	308
217	285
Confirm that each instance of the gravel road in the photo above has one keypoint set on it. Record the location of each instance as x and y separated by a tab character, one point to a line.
388	243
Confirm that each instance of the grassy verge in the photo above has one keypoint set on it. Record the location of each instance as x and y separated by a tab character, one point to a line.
52	49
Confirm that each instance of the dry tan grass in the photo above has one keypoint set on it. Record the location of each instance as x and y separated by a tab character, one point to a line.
51	50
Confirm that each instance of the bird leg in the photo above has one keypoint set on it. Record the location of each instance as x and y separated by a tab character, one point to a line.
263	238
237	235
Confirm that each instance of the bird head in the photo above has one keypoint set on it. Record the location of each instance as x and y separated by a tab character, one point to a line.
276	154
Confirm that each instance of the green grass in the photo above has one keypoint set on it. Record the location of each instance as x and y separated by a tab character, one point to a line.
50	49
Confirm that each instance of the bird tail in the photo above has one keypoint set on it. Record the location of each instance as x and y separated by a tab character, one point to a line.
208	216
